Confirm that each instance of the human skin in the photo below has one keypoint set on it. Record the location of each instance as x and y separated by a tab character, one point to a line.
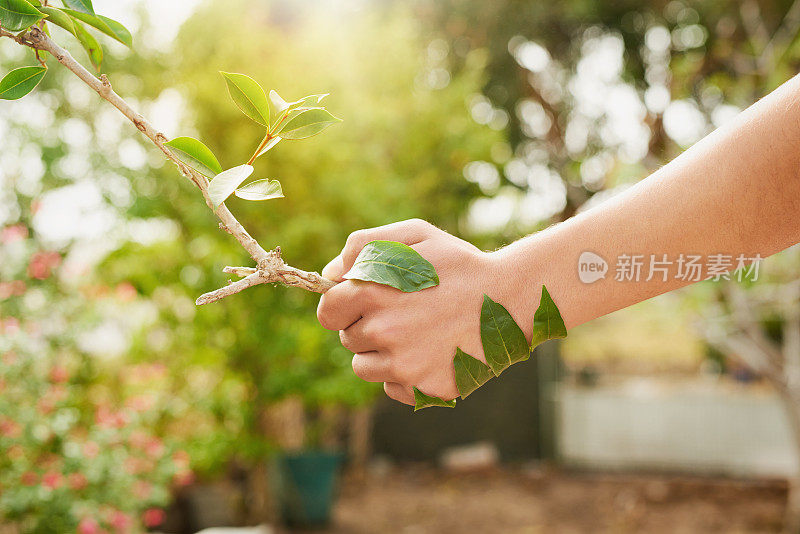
736	192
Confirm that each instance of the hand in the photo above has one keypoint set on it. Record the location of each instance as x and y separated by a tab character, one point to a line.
408	340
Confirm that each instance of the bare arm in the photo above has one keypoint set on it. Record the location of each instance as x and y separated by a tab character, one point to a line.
736	192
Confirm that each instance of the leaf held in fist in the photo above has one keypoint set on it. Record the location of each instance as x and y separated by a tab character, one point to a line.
471	373
248	96
307	123
196	155
89	44
226	182
422	400
547	321
84	6
19	82
108	26
260	190
393	264
503	341
16	15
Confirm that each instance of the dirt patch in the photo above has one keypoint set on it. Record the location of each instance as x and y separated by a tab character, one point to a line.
419	500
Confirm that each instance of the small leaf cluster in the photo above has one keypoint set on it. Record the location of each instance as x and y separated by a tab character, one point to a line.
282	120
74	16
400	266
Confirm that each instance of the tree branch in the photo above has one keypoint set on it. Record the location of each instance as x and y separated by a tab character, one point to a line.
270	266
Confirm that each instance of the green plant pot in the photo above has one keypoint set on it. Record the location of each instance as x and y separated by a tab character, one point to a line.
306	486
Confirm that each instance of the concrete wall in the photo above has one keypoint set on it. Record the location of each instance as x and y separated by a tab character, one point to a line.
710	428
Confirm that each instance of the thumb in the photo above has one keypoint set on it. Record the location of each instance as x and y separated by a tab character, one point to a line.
334	270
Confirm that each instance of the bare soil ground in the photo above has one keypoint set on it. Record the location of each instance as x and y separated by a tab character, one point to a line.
420	500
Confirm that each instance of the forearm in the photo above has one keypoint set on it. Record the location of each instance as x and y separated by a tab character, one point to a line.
736	192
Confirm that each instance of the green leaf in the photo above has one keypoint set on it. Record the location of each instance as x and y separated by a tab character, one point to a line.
84	6
59	18
260	190
16	15
471	373
271	143
196	155
108	26
19	82
503	340
226	182
248	96
426	401
89	44
307	123
547	321
307	101
393	264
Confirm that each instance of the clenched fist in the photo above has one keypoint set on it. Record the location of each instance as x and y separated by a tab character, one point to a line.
408	340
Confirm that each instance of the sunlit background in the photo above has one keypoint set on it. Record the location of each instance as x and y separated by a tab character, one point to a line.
124	407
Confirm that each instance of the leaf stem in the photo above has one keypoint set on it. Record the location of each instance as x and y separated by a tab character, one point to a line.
261	146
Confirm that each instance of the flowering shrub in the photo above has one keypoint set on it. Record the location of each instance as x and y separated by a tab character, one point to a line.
74	460
80	447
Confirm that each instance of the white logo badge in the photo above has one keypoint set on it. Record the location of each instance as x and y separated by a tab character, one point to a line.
591	267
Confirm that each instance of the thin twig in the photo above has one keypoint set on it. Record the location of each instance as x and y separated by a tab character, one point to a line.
270	266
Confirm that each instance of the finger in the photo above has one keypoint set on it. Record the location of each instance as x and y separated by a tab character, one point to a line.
361	336
399	392
343	305
409	232
333	271
372	366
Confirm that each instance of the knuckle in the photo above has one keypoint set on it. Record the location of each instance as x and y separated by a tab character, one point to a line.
359	367
355	239
324	315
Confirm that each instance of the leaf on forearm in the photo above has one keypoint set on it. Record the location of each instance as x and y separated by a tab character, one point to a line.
16	15
308	123
196	155
422	400
260	190
248	96
547	321
393	264
84	6
108	26
19	82
226	182
471	373
503	341
89	44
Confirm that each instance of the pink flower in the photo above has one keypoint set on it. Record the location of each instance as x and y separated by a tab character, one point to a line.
77	481
142	490
154	448
120	521
29	478
10	428
153	517
181	459
126	292
184	478
42	264
52	480
140	403
11	234
88	526
91	449
59	374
